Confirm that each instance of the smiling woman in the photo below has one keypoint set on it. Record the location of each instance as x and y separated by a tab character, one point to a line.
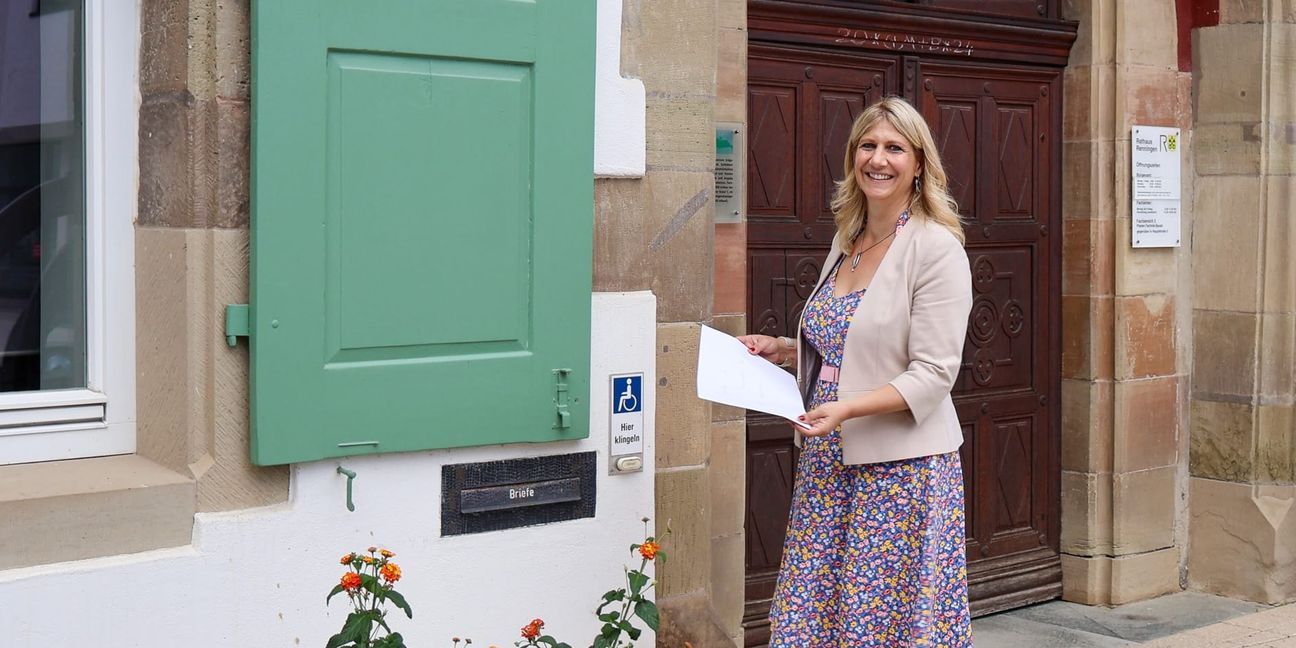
891	138
874	552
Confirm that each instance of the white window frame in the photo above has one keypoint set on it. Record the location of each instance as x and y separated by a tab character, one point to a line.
99	420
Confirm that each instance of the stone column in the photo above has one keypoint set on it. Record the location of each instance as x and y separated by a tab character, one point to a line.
729	308
1123	387
657	233
1242	533
191	249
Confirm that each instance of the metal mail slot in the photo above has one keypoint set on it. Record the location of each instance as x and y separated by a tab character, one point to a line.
498	498
511	493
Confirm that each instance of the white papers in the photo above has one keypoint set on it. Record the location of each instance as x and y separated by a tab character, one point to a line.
728	373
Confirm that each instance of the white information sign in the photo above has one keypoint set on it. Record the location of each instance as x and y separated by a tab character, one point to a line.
1154	186
1156	223
626	427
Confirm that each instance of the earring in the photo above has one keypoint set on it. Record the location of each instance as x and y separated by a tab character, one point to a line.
917	184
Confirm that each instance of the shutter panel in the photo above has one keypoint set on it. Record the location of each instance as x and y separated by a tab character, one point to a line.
422	213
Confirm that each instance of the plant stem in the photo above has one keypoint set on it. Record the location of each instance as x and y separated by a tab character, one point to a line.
625	607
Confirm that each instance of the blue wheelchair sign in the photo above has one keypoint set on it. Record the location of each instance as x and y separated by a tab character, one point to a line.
627	394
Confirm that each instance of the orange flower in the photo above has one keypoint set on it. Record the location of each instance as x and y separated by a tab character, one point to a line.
649	550
350	581
368	560
532	630
390	572
346	560
387	554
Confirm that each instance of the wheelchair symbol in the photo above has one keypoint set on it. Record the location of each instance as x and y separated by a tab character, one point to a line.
627	401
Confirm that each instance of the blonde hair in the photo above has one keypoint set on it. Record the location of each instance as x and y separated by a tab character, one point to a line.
932	202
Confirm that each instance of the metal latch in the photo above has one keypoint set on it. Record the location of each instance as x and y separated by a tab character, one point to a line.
561	398
237	323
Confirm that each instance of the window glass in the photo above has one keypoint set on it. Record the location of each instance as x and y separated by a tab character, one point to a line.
42	197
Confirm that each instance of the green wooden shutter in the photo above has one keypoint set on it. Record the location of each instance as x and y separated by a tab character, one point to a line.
422	214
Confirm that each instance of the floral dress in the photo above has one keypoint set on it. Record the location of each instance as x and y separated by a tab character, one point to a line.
874	553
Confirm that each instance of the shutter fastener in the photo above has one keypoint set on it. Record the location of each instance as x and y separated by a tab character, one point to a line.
350	475
561	398
237	323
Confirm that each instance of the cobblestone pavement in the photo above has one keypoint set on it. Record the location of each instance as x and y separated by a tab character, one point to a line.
1273	628
1184	620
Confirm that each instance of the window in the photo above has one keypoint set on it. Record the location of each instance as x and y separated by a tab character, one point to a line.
67	186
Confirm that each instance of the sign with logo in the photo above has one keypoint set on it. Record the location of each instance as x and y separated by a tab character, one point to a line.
1154	186
627	415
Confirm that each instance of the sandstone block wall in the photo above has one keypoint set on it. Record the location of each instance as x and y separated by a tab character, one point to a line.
658	233
1124	355
1242	459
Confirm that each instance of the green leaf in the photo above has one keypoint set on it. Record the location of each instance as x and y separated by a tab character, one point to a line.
647	610
602	641
608	616
610	598
354	629
336	589
358	626
637	581
399	601
370	583
393	640
630	630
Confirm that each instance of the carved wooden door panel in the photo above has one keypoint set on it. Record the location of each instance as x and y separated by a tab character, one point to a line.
997	130
800	110
1016	8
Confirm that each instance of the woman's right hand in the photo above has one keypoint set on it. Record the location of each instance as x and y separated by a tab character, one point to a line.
770	348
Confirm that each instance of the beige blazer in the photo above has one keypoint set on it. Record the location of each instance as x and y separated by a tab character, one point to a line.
907	331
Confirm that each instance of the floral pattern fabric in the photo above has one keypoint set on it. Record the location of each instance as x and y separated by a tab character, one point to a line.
874	553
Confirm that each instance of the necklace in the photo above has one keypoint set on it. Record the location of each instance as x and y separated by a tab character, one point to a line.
856	260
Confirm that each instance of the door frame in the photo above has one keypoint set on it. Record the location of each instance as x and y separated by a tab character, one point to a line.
923	33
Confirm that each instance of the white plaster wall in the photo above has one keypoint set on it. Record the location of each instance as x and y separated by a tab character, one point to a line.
258	578
619	103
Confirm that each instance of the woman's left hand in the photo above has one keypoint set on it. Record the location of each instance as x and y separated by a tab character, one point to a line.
825	418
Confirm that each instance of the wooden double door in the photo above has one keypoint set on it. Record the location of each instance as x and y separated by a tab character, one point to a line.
997	128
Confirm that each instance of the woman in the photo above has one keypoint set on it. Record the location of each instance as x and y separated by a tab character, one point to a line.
874	553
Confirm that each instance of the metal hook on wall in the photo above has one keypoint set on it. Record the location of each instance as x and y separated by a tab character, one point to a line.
350	475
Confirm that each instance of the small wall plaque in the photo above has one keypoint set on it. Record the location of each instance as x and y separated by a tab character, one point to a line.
729	173
626	424
495	495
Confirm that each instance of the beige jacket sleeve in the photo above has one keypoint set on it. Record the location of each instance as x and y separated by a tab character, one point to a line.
941	299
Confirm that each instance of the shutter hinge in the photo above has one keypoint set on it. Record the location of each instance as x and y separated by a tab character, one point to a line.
560	398
237	323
